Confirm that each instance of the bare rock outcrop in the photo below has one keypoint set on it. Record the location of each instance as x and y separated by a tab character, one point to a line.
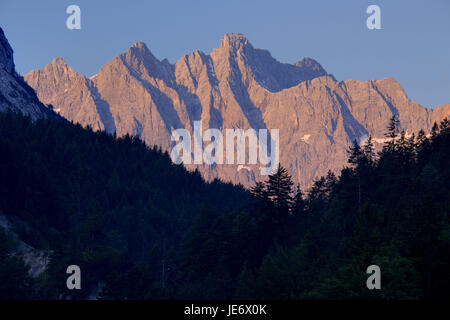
15	93
235	86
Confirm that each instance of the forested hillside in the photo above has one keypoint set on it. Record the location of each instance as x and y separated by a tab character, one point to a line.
102	203
142	228
389	209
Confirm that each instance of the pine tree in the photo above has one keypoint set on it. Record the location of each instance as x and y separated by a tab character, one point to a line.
279	190
369	151
421	136
330	181
391	134
434	130
412	147
421	141
423	146
358	159
259	191
444	126
356	154
299	203
393	127
402	146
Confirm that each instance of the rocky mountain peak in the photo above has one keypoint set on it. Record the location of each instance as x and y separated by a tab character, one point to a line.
234	41
235	86
6	53
58	61
60	67
15	93
58	72
312	65
272	75
140	52
140	45
140	60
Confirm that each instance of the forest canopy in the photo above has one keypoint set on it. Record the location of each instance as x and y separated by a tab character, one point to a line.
141	227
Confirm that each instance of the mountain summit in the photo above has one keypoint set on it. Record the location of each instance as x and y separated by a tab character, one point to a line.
234	41
234	86
15	93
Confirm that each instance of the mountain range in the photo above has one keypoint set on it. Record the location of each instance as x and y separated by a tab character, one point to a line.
141	227
234	86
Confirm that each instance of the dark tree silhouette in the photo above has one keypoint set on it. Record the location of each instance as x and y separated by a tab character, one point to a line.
279	191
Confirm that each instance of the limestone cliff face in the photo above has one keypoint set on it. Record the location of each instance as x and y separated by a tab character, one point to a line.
15	93
235	86
72	95
440	113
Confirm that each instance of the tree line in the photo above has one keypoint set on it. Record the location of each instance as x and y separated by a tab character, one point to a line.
141	227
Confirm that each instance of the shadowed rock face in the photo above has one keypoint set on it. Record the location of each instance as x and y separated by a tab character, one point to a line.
235	86
6	54
15	93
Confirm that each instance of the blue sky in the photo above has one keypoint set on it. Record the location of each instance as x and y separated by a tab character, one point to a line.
412	47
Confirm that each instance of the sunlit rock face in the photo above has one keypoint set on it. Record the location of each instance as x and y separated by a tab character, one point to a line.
234	86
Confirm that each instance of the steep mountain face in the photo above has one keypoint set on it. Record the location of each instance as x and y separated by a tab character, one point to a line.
235	86
15	93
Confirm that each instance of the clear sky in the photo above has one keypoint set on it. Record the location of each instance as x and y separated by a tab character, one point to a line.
413	45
